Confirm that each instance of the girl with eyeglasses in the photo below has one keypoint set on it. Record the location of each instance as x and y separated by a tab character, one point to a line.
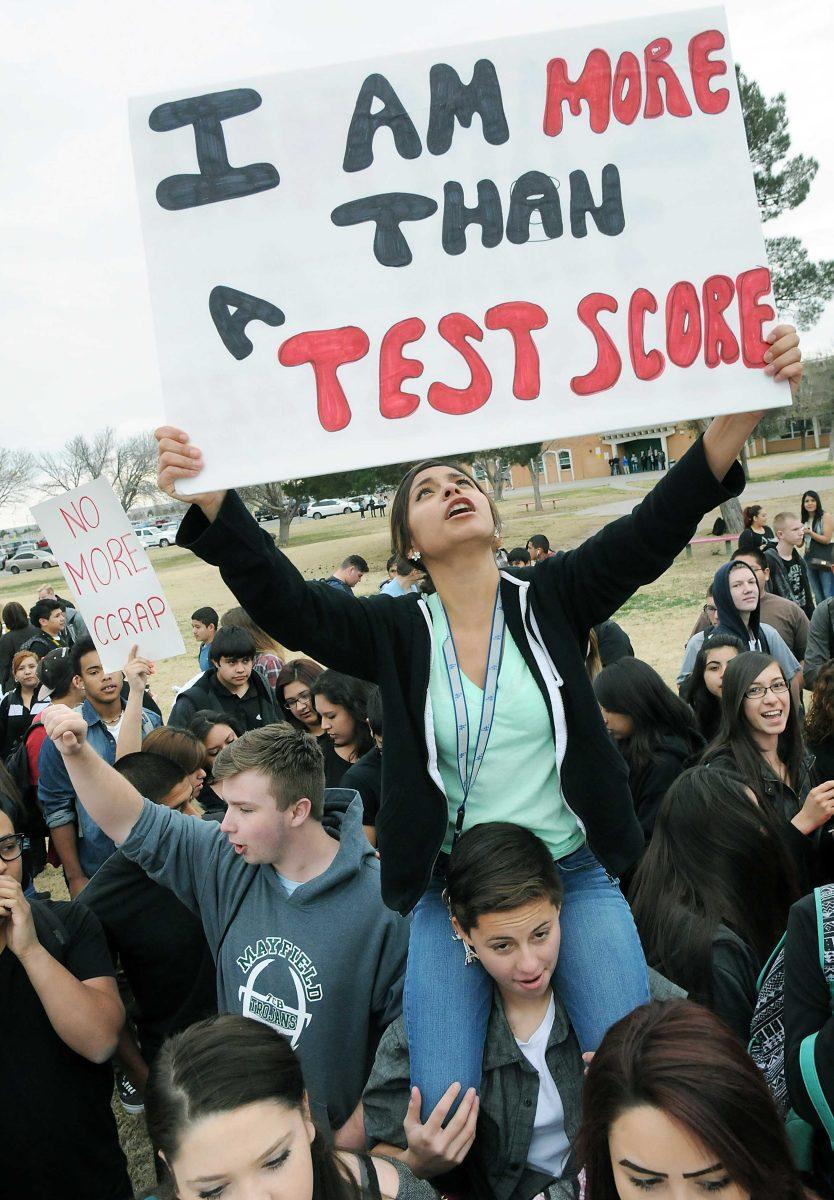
294	692
760	741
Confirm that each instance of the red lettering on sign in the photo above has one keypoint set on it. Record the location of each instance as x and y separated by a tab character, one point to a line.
520	318
702	69
608	366
646	364
326	350
456	328
751	286
84	513
394	368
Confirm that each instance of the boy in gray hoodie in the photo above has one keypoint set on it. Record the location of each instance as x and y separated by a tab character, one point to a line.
294	918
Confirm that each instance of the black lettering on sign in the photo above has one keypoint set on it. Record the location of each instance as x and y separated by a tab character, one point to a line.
218	179
450	99
232	311
456	216
359	147
533	192
388	209
608	216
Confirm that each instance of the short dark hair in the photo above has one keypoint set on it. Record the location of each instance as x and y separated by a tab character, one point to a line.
519	553
231	641
405	565
752	552
351	694
374	708
83	646
388	565
208	616
14	615
202	723
42	610
497	866
291	761
355	560
539	541
153	775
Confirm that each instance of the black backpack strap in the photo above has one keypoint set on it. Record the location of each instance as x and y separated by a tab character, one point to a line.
235	910
368	1179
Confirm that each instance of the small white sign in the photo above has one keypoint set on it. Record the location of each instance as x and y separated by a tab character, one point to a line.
480	245
116	589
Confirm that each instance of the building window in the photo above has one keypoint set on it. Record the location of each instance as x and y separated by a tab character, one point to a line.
479	473
538	464
564	460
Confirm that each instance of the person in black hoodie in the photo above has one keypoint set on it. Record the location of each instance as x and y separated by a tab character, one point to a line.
19	629
712	894
735	591
655	731
541	617
230	686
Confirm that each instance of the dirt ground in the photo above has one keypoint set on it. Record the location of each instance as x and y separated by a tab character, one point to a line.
658	618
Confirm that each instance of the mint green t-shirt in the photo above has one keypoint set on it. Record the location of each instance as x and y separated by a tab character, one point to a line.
518	780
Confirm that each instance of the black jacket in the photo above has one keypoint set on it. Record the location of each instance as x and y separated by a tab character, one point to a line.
650	783
10	643
779	580
258	707
549	610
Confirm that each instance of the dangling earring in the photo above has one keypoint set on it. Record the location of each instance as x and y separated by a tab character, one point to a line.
414	555
470	953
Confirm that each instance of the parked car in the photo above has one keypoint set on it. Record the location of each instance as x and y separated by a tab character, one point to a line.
30	560
331	508
265	514
148	537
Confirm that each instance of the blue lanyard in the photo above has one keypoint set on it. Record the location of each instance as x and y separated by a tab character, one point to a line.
468	774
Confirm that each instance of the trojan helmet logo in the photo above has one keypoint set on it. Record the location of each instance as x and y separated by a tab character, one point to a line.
269	1009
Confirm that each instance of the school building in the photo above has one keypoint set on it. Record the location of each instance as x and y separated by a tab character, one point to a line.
565	460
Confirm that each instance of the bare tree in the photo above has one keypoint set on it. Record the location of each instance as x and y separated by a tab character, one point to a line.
16	470
129	465
80	459
133	469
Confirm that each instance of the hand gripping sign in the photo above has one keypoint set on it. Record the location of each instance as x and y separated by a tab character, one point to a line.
510	241
109	574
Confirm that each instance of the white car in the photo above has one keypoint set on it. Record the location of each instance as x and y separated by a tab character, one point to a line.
149	536
331	508
30	560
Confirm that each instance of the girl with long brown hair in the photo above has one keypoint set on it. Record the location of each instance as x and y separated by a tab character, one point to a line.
673	1106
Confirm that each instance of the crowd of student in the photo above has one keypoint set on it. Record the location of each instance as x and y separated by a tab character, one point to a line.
455	898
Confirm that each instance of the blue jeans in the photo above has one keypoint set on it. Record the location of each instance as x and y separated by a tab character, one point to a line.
600	975
822	583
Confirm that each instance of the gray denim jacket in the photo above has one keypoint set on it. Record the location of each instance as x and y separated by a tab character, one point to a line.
497	1163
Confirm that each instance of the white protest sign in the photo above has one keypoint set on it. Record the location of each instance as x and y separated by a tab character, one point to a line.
109	574
472	246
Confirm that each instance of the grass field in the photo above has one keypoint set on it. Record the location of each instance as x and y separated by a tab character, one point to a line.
658	618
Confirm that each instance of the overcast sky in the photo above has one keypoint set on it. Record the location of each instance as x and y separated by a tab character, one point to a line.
77	341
